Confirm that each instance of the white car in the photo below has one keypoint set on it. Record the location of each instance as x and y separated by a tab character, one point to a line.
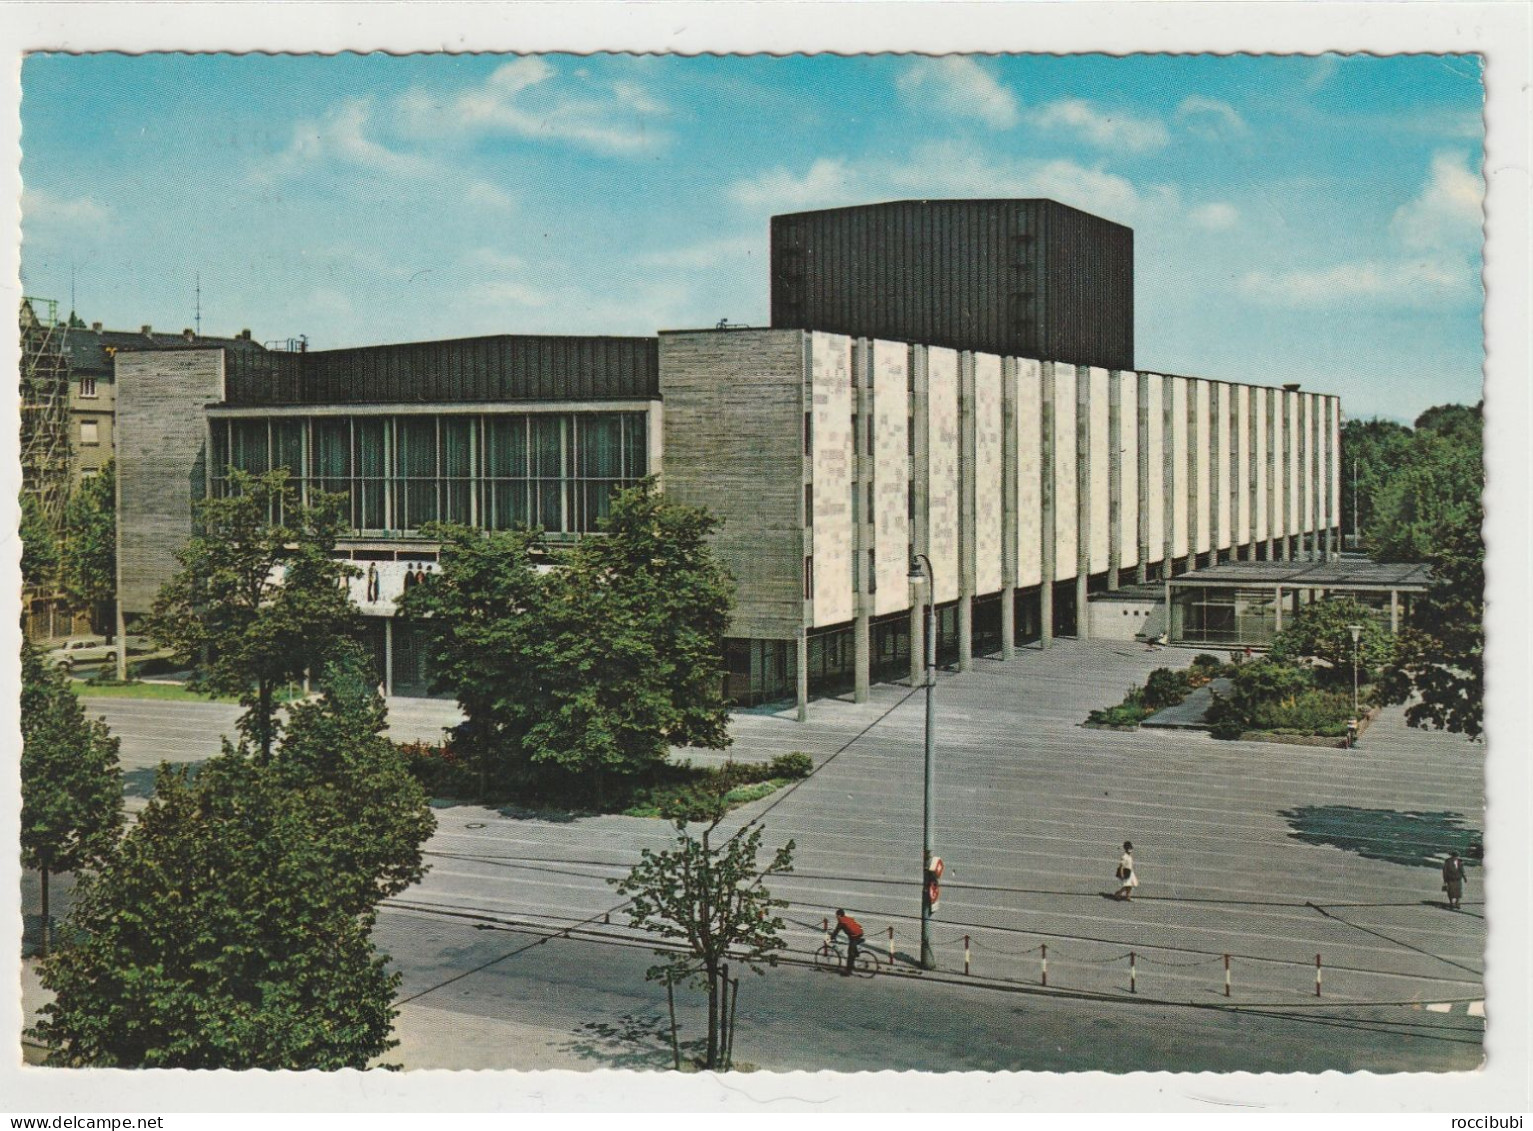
82	650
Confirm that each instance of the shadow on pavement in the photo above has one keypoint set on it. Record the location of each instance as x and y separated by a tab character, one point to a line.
1414	839
633	1042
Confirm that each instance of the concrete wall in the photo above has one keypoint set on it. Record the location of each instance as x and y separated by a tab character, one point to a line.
891	475
1100	453
1065	494
988	416
733	413
161	446
1029	448
830	369
1128	446
942	462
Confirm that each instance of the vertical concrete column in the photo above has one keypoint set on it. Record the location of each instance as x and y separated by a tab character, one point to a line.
1276	549
1046	506
1082	499
1277	608
920	478
801	656
388	657
1114	476
1252	472
966	509
1009	472
1322	412
1305	531
1194	519
1142	527
862	530
1168	477
1394	612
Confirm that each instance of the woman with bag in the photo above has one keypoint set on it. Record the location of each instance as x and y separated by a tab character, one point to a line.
1125	873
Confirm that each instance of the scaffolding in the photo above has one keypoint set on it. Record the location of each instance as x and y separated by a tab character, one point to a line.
44	407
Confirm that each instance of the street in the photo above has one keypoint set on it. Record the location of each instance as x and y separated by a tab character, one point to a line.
1270	854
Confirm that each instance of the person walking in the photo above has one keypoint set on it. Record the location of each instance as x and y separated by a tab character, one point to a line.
1453	880
1127	879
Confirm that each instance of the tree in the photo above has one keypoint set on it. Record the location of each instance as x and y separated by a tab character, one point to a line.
88	549
1441	652
1322	629
593	670
1437	484
233	930
259	600
71	787
712	899
1372	450
632	645
39	546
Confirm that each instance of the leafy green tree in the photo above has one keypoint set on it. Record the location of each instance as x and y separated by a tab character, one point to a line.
1322	630
633	644
711	899
233	929
589	672
71	787
1436	486
1440	660
88	550
39	547
1453	420
1371	451
259	599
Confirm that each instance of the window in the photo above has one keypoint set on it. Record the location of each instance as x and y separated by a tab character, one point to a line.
808	504
856	434
809	577
872	572
872	514
809	433
87	387
89	432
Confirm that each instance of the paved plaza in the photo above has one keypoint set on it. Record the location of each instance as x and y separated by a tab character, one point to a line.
1268	853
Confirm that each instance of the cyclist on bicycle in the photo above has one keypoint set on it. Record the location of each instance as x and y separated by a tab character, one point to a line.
853	929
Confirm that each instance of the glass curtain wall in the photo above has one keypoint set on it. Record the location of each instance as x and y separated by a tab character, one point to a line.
554	470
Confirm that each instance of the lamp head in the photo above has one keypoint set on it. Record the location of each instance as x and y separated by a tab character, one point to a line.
1357	632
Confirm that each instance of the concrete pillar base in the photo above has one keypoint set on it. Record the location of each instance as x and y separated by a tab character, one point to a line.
802	673
1008	623
862	660
965	633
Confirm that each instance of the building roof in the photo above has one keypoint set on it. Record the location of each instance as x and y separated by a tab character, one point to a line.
90	350
1341	573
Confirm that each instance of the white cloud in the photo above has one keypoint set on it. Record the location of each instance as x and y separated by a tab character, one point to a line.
1419	282
1106	129
1214	217
341	137
527	98
959	86
1210	118
829	181
81	212
1447	214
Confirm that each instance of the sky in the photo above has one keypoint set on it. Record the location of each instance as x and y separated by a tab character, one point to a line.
1310	219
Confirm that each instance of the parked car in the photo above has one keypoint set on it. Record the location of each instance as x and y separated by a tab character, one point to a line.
82	650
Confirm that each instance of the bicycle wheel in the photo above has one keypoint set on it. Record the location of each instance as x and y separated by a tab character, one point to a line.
828	958
867	964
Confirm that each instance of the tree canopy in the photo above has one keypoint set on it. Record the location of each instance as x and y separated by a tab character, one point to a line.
39	546
88	549
712	900
233	929
1322	630
259	599
71	786
590	671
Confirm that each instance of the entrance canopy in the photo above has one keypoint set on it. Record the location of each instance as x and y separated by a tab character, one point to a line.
1243	603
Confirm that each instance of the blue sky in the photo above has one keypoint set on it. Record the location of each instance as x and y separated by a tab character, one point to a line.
1296	219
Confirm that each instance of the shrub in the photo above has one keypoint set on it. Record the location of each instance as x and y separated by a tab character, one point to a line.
792	766
1165	688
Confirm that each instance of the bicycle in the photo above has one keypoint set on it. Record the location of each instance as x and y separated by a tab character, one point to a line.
832	956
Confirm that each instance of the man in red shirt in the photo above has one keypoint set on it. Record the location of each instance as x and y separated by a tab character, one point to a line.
853	929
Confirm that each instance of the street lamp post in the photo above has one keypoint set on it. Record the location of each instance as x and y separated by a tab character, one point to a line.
1357	635
921	570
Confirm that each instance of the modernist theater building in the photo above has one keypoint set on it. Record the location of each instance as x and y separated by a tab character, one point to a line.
952	379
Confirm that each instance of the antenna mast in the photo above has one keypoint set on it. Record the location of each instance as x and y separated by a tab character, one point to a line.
198	320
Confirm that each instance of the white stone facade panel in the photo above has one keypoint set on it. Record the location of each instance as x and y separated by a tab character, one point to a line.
1066	517
891	475
1179	450
1203	446
1101	487
1029	487
1336	458
1128	510
1310	499
831	384
942	468
1221	399
1242	445
1292	487
988	473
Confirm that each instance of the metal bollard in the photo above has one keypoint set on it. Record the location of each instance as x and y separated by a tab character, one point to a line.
966	955
891	946
1226	975
1317	975
1045	949
1133	973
